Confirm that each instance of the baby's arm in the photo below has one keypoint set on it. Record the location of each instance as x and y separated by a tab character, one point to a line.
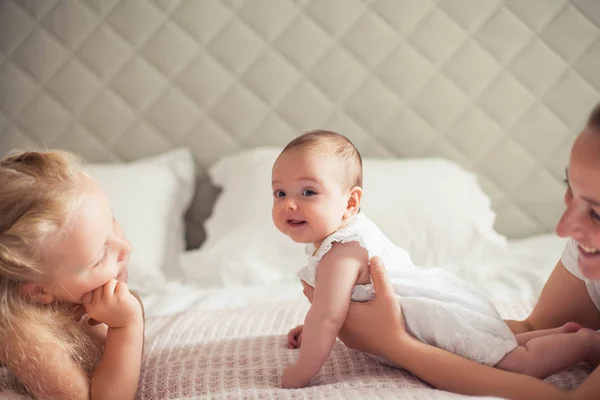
336	276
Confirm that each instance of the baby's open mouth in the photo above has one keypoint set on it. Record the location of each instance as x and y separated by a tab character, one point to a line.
295	222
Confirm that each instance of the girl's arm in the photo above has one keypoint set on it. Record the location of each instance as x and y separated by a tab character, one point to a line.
564	298
118	371
336	276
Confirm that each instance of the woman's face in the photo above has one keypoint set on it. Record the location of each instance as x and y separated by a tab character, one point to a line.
581	218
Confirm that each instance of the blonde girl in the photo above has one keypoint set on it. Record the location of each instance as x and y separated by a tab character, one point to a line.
69	326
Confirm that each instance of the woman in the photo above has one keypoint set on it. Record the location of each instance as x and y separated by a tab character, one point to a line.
572	293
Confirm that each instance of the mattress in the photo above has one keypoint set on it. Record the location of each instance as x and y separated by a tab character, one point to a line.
230	342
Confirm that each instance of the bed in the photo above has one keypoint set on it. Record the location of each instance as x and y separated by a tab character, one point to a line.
463	111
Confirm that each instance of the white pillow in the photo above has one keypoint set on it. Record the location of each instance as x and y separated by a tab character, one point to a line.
434	209
149	198
431	207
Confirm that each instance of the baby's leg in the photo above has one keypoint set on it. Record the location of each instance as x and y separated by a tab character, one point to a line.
545	355
569	327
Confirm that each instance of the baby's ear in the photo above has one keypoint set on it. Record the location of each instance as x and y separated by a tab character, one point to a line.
36	293
353	202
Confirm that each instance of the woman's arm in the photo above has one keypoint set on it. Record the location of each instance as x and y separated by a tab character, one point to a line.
377	327
336	276
564	298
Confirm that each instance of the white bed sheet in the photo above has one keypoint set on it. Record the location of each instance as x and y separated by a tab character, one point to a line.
517	273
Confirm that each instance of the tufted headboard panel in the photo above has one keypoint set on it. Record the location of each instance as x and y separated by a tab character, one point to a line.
501	87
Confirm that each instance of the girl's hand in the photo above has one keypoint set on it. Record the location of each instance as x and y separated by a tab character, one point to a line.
375	326
113	304
294	337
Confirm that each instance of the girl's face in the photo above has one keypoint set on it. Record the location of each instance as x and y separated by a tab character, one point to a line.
92	251
309	202
581	218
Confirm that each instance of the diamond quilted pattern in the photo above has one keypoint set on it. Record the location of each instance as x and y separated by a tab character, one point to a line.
271	77
416	70
504	35
587	66
40	55
174	114
501	87
404	15
236	46
73	85
493	100
570	34
37	9
370	40
536	13
171	49
16	88
104	52
139	83
267	17
437	36
70	21
45	118
538	80
589	8
15	26
202	18
108	116
136	20
471	68
336	16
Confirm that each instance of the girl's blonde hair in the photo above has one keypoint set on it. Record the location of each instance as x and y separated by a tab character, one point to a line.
39	193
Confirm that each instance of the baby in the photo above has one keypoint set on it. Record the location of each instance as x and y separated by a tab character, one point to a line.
317	194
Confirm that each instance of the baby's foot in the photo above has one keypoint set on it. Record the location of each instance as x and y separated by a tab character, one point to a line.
571	327
593	339
595	356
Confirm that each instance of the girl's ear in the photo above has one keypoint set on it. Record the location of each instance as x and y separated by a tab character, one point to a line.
36	293
354	200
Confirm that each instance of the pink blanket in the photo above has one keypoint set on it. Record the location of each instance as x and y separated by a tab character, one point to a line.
240	353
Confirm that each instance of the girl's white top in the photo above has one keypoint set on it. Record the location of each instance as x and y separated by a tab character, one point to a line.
439	308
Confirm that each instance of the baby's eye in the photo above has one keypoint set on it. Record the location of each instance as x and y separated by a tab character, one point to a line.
308	192
279	193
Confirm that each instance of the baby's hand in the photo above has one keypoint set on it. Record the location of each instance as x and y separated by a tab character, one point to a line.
294	337
293	378
113	304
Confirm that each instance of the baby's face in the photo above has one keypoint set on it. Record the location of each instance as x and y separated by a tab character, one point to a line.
309	202
92	251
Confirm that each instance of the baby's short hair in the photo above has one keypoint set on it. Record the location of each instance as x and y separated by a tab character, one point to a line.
332	143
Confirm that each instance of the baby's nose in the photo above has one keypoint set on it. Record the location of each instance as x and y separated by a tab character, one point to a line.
289	204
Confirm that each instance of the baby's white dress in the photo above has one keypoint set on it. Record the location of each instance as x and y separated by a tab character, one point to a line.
439	308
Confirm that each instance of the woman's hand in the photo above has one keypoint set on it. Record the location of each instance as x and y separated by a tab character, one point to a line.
377	325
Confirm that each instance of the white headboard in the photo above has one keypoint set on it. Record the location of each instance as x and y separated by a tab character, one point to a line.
501	87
